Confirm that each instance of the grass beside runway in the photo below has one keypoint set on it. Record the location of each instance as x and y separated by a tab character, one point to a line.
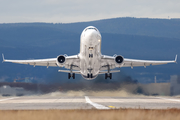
93	114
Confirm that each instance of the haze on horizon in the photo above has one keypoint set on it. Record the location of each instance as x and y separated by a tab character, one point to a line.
67	11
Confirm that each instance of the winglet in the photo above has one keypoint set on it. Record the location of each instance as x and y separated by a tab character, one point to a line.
175	59
3	57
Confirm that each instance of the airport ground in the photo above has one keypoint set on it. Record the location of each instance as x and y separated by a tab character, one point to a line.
57	105
88	104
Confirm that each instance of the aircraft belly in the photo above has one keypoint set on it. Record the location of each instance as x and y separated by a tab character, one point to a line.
90	65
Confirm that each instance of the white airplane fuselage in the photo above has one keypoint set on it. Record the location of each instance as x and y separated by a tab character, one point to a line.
90	52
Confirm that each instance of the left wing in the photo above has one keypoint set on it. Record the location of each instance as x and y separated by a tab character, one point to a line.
109	62
71	62
37	62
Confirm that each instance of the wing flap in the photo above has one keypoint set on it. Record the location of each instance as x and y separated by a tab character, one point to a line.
43	64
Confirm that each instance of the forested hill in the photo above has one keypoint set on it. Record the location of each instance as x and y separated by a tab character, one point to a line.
138	38
131	26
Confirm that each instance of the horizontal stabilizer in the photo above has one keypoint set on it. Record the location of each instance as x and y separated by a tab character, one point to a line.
113	71
68	71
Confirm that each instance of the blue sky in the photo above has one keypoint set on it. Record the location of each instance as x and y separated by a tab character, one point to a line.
66	11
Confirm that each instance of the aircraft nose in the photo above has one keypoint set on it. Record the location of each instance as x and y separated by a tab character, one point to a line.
91	34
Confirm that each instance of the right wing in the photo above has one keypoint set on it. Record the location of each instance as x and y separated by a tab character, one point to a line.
109	61
135	62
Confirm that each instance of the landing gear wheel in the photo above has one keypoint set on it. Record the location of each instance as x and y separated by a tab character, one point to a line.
91	76
106	76
90	55
69	75
110	75
73	75
87	75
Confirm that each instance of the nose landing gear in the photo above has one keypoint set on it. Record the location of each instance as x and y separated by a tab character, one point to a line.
89	76
90	55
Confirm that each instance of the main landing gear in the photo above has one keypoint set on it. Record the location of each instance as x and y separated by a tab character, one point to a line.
108	75
71	75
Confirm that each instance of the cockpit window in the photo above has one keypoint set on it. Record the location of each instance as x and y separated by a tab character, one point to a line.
91	28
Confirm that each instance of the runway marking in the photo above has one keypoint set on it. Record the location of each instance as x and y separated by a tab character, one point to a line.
97	106
111	106
8	99
169	99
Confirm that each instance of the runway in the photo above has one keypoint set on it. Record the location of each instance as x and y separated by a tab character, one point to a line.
87	102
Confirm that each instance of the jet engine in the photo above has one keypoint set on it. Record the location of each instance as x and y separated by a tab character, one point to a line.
61	59
119	59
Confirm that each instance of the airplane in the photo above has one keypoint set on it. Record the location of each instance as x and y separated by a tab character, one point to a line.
90	62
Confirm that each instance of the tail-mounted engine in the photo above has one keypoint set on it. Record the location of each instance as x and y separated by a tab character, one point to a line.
61	59
119	59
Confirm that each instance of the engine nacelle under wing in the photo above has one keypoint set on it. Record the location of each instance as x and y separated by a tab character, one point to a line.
119	59
61	60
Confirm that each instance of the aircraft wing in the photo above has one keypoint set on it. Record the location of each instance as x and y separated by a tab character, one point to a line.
135	63
70	60
109	61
